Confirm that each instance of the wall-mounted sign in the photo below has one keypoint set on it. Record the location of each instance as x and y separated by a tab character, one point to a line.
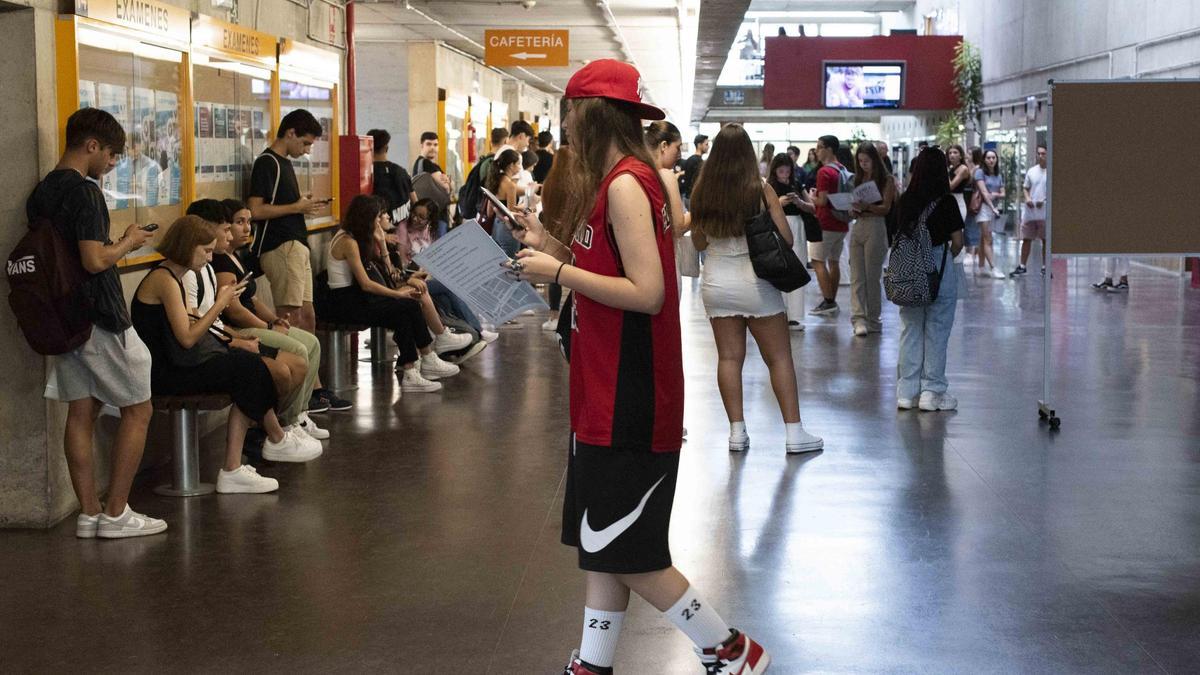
528	48
148	16
234	40
734	97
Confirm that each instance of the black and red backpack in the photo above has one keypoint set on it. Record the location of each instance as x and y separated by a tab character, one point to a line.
45	279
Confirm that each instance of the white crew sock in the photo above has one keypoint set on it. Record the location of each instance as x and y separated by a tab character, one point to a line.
737	429
700	622
794	432
600	633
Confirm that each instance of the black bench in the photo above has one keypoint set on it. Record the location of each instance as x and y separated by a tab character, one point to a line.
185	435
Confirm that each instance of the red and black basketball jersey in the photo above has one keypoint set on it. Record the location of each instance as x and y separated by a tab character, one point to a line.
626	367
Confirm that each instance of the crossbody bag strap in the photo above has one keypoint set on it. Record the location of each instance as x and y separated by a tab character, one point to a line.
274	192
218	333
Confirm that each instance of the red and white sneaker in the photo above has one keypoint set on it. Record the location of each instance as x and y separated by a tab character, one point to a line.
577	667
739	655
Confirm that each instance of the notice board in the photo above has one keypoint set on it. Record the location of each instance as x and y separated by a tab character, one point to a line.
1125	167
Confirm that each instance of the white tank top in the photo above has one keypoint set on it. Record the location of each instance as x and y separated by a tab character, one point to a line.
340	275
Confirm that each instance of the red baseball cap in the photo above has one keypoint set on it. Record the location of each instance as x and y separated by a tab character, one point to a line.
612	79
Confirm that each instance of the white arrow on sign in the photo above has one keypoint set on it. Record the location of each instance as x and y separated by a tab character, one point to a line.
525	56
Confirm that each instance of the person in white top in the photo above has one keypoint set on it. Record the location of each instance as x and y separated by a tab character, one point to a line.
519	137
728	192
1033	216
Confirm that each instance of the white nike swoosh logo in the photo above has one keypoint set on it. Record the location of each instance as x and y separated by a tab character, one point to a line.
593	541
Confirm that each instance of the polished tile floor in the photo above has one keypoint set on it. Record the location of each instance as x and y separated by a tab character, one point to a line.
425	540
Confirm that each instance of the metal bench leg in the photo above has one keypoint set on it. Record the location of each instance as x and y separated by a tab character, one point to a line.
185	463
379	346
336	355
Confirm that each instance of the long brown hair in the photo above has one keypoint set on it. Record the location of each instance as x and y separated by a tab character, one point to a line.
599	123
499	165
729	189
879	172
359	223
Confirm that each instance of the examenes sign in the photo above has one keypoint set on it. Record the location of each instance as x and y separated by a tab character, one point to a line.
529	48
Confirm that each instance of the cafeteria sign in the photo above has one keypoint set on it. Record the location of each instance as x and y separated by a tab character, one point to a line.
528	48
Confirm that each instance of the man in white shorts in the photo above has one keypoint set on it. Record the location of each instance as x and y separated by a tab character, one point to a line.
113	366
827	253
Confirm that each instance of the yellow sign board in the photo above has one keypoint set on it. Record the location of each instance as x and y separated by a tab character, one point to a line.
148	16
527	48
234	40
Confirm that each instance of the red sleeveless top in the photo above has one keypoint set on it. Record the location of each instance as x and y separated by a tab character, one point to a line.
626	367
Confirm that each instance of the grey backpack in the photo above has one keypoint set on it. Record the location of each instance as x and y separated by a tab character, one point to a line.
912	277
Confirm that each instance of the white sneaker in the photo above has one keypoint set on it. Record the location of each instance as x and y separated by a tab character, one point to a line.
905	403
860	330
433	367
551	325
529	312
474	350
412	381
931	402
997	274
739	443
805	442
245	480
489	336
129	524
450	342
295	446
310	427
85	525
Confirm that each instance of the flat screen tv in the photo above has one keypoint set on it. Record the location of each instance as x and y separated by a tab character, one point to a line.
863	85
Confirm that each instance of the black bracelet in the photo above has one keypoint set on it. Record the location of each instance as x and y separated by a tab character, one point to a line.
559	272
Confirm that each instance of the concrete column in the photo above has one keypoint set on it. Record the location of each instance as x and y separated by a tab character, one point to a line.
34	488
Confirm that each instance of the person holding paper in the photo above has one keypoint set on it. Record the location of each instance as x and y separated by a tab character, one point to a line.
626	361
796	202
827	252
874	193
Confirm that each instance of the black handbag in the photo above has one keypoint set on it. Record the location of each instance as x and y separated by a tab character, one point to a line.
773	260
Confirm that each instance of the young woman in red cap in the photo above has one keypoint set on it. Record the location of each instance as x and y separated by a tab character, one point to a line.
626	375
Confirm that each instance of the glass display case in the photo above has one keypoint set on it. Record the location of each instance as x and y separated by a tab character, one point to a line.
308	79
135	68
234	85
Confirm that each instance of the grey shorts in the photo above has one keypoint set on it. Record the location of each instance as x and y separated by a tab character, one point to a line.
113	368
829	248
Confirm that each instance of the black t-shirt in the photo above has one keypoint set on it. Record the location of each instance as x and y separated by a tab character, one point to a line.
691	171
76	207
944	221
271	169
392	183
224	263
423	165
782	189
545	161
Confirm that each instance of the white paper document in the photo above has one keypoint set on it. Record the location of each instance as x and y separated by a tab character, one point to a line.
468	261
841	200
867	193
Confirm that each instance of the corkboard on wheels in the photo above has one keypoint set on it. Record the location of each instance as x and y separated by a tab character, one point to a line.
1124	167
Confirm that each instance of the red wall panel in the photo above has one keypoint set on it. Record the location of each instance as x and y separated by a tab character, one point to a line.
794	79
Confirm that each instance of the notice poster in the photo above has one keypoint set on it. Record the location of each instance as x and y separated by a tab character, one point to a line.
220	130
244	151
114	99
87	94
260	130
139	148
168	149
319	156
204	133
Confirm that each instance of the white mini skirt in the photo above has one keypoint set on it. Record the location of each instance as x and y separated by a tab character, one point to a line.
729	287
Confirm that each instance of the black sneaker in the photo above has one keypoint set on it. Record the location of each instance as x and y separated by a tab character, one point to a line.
1019	271
1103	285
316	404
1122	287
826	307
331	399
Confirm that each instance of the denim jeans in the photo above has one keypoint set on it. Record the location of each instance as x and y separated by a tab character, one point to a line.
505	239
924	334
449	303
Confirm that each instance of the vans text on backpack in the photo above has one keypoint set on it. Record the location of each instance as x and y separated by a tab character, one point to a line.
45	277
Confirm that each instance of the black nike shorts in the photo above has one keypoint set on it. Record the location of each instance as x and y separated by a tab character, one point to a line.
626	495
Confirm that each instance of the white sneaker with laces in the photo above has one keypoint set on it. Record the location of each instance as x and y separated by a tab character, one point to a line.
550	325
85	525
489	336
433	367
905	403
295	446
804	442
245	480
129	524
450	342
310	427
411	381
931	402
739	442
